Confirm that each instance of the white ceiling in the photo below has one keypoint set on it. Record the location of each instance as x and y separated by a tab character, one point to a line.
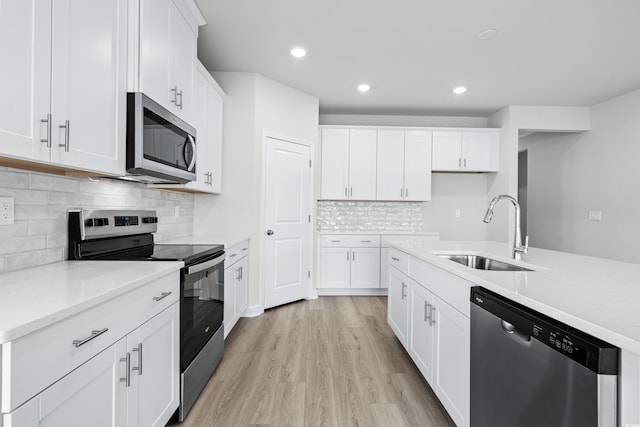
413	52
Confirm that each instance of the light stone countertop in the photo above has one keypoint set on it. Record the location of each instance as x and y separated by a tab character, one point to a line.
36	297
598	296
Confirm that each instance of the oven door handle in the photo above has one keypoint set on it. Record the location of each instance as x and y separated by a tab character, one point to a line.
205	265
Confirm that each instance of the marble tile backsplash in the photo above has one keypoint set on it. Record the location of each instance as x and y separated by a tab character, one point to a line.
39	235
348	216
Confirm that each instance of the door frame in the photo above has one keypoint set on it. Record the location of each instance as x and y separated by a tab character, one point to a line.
263	210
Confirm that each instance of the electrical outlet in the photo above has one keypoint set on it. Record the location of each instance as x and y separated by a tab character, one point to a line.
595	215
7	210
177	212
458	213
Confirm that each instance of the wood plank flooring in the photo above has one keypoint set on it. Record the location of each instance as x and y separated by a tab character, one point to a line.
329	362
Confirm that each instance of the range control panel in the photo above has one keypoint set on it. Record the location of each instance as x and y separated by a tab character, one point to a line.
97	223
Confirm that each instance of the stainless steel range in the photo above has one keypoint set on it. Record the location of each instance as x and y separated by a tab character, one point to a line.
128	235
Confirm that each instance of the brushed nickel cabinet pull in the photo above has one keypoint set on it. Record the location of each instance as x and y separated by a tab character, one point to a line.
395	259
162	296
432	319
139	367
426	307
404	285
67	130
94	334
127	375
48	122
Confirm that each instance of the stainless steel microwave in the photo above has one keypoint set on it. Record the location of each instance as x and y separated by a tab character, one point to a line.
161	147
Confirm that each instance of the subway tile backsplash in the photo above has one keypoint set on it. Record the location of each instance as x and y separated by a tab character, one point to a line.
39	235
363	216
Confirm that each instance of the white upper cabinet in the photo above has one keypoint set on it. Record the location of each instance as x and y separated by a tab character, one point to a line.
207	119
404	165
362	164
335	164
348	164
167	55
66	103
465	151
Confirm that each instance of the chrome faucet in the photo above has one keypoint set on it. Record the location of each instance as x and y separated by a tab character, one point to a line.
518	248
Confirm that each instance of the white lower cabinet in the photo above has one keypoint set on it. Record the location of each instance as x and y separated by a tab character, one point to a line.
90	395
422	333
125	374
398	304
429	313
349	262
236	282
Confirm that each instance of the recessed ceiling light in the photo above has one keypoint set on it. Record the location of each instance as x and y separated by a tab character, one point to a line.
487	34
364	87
459	90
298	52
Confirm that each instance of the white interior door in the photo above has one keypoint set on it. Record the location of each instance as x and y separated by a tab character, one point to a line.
287	225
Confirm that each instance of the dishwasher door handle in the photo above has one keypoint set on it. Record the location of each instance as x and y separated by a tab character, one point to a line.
511	330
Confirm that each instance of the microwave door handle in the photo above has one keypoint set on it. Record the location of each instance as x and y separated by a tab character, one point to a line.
193	158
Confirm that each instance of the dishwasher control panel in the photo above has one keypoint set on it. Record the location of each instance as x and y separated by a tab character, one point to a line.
587	350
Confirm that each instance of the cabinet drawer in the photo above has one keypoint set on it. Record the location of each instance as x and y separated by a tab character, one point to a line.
236	253
448	287
399	260
385	239
350	240
35	361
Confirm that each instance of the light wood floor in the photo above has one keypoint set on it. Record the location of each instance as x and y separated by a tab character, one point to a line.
331	362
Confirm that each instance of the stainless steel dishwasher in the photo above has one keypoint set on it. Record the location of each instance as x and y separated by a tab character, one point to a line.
528	370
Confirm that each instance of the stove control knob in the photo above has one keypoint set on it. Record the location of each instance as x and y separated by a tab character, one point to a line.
98	222
88	223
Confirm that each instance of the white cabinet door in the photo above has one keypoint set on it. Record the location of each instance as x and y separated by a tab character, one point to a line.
417	166
335	164
384	267
242	274
167	57
25	45
335	268
446	151
203	141
477	151
421	329
154	50
215	111
182	61
154	392
398	304
452	372
88	84
362	164
391	166
90	395
365	267
230	306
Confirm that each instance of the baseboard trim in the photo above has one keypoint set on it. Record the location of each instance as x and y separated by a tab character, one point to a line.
351	292
253	311
314	295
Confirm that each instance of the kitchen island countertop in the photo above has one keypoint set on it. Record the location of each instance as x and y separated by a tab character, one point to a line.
598	296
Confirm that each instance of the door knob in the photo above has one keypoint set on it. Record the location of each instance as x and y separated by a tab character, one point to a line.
269	232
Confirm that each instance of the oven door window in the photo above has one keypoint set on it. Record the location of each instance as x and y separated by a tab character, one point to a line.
202	310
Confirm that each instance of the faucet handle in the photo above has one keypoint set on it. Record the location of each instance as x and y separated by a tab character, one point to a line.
526	244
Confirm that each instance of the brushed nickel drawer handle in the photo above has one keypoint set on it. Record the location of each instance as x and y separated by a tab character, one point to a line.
94	334
162	296
139	367
395	259
127	375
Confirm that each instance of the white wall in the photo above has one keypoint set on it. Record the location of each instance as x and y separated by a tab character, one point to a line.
572	174
530	118
254	105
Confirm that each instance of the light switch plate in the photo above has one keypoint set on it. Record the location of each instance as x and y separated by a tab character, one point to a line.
7	210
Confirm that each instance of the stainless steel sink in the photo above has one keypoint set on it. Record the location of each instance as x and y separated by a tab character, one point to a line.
480	262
